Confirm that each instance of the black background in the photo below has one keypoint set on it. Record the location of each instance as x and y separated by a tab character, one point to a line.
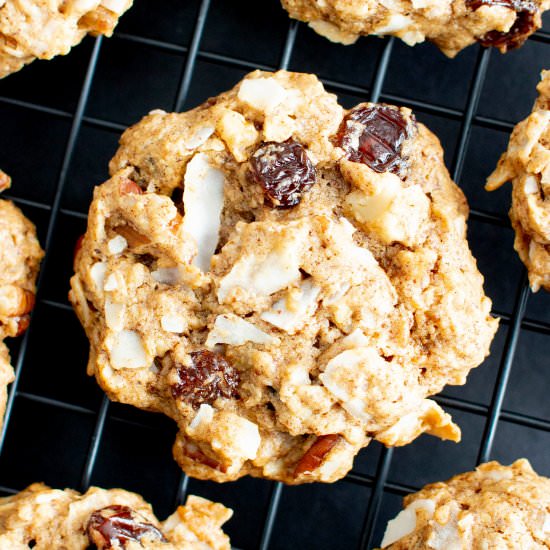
57	408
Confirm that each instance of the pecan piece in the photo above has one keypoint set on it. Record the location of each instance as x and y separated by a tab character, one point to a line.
314	456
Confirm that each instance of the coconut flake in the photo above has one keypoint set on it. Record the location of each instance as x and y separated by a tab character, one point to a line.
116	6
127	351
203	201
111	283
114	315
117	245
530	185
204	415
265	276
405	522
291	312
97	273
264	94
231	329
172	323
395	23
199	137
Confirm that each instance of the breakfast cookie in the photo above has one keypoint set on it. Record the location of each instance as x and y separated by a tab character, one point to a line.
493	507
526	164
20	256
42	29
46	519
287	280
450	24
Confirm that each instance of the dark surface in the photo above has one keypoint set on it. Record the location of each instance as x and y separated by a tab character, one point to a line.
57	408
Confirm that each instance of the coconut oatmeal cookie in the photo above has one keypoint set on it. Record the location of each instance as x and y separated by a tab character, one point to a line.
526	164
496	507
44	519
42	29
20	256
287	280
450	24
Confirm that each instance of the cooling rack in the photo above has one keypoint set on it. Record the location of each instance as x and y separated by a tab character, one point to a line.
59	125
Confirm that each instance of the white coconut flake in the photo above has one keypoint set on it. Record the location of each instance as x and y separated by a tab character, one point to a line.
199	137
127	351
231	329
263	277
244	438
405	522
203	201
167	275
204	415
97	273
117	6
264	94
114	315
111	283
172	323
117	245
341	376
498	475
395	23
546	524
531	187
291	312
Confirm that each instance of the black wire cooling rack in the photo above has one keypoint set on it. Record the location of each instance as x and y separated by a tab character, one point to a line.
59	123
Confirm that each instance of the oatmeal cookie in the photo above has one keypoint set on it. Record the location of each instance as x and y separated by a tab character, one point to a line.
450	24
287	280
20	256
42	29
107	519
526	164
496	507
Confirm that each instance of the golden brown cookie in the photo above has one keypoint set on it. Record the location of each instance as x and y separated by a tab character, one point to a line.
287	280
526	164
42	29
46	519
450	24
20	256
494	507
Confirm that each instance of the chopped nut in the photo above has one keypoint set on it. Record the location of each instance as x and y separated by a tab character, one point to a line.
315	455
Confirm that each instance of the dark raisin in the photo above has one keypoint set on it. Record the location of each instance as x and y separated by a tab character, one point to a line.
208	377
374	135
118	525
525	24
284	172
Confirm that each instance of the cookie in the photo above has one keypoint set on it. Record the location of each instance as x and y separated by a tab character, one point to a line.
43	518
526	164
492	507
450	24
20	256
287	280
42	29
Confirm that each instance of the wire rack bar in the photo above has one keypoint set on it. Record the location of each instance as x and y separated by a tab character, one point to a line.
504	370
55	208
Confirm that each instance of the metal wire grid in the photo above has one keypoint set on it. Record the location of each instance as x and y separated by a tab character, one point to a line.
378	483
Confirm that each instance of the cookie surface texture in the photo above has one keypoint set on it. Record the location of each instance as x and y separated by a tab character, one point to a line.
20	256
495	506
107	519
42	29
285	279
526	164
450	24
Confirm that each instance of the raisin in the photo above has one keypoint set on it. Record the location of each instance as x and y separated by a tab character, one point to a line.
374	136
208	377
118	525
525	24
315	455
284	172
